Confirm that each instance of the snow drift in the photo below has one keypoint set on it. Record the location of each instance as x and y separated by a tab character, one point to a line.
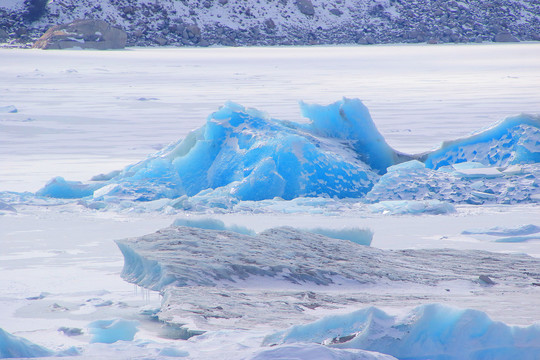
430	331
241	154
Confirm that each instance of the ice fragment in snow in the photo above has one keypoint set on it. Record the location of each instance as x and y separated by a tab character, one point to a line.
8	109
17	347
110	331
173	352
503	231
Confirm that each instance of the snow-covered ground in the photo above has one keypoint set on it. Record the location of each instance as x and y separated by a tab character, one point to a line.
81	113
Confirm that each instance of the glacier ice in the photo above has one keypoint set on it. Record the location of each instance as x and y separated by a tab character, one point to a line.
242	155
16	347
215	279
432	331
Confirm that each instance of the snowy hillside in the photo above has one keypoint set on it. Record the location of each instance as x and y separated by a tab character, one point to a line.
294	22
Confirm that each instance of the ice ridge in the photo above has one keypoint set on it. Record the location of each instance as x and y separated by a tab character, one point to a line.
241	154
432	331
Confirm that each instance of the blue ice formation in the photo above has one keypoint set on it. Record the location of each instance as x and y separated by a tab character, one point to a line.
433	331
16	347
111	331
241	154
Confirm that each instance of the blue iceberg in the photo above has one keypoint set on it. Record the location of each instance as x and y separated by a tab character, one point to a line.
432	331
241	154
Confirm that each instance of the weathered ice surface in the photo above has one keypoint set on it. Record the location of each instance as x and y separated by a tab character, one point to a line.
84	34
218	279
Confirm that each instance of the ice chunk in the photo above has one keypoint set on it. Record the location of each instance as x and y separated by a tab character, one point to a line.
16	347
173	352
429	332
110	331
427	184
504	231
516	239
483	172
356	235
401	207
62	189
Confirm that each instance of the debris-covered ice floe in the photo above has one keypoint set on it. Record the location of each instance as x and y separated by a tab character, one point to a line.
242	155
213	279
430	331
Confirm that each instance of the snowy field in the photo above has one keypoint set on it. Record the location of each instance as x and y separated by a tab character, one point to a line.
77	114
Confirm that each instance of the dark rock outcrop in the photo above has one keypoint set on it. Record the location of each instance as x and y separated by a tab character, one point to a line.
288	22
505	36
85	34
305	7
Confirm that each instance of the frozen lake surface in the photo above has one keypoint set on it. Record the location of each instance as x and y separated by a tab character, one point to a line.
81	113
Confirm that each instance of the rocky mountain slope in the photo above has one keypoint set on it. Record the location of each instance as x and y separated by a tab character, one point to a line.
283	22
